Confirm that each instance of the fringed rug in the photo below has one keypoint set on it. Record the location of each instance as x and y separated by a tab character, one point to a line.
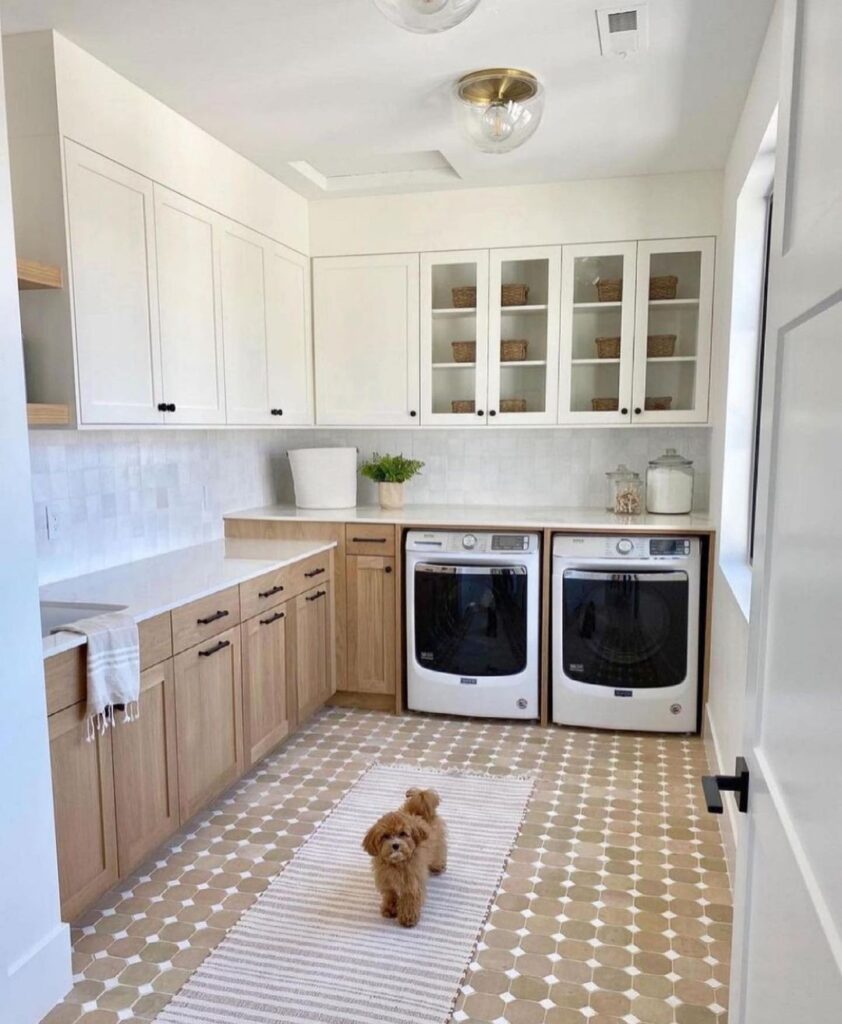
314	949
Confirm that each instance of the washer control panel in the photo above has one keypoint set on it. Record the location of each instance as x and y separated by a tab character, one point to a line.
619	548
481	542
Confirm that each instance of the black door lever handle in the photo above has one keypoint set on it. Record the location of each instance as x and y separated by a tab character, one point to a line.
715	785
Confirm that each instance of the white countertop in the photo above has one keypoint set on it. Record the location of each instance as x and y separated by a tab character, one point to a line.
492	516
154	585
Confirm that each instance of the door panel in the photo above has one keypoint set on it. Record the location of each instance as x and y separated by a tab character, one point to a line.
370	583
288	335
266	719
311	653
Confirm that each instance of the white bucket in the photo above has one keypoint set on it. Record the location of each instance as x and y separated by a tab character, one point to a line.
324	477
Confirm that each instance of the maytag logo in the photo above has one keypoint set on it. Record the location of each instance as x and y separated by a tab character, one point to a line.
466	681
577	668
624	693
426	655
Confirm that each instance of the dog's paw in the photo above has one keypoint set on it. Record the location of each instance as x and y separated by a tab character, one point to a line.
388	911
438	869
409	920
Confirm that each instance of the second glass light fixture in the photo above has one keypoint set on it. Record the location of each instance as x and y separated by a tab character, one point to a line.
426	15
498	108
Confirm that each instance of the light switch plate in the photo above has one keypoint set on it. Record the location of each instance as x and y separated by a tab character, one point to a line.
54	523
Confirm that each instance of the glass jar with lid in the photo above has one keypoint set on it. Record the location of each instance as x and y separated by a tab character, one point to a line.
625	491
669	484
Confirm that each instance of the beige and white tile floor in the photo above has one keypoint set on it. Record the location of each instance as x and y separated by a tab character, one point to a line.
615	905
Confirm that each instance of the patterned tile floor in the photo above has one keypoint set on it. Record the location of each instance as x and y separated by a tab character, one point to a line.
615	905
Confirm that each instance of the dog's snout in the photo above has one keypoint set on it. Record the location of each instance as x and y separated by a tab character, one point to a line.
396	846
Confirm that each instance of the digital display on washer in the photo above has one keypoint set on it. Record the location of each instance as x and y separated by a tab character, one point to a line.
509	542
668	546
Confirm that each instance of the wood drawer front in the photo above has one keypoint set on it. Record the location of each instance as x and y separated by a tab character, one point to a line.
194	623
309	573
267	591
369	539
155	640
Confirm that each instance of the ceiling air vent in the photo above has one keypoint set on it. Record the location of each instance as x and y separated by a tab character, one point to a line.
622	30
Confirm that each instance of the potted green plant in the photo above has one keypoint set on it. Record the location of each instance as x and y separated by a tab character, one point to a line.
390	473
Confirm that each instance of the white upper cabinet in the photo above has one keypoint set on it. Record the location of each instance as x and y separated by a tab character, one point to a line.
366	334
189	310
289	339
115	304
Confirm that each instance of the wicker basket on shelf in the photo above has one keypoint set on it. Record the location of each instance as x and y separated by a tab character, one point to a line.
663	287
465	297
660	346
464	351
609	289
513	351
512	405
462	405
607	348
660	403
605	404
514	294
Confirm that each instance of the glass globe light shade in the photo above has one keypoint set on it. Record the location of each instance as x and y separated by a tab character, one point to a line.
499	109
426	15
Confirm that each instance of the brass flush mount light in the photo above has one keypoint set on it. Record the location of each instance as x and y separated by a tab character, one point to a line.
426	15
498	108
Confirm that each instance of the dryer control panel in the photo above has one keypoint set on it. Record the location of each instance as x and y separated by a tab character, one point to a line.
476	542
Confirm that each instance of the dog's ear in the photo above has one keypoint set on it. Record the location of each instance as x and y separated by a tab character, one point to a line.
419	830
372	839
432	799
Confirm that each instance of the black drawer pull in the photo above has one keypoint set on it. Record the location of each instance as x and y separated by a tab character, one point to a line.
316	596
270	593
313	572
369	540
215	650
272	618
211	618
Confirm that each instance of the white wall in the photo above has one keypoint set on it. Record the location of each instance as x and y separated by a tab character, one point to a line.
34	944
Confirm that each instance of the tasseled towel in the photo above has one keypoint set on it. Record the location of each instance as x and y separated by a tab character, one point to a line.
113	669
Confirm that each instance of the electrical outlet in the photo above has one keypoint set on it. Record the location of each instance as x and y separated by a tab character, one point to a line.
54	523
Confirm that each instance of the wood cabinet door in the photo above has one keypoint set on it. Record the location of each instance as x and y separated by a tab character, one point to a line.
370	596
145	770
209	720
311	654
83	801
265	714
115	302
289	340
186	245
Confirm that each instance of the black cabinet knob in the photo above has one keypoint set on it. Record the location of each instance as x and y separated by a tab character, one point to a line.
276	412
637	411
171	407
492	412
162	406
412	412
388	569
480	412
625	412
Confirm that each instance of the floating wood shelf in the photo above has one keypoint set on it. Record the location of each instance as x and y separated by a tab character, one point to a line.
32	274
39	414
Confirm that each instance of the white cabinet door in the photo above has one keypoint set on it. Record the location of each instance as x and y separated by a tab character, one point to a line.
454	338
189	310
112	255
672	331
289	343
597	333
366	322
523	329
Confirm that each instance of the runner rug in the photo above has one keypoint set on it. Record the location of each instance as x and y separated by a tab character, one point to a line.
314	949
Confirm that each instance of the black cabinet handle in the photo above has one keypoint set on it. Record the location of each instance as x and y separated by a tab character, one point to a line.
211	618
412	412
480	412
637	410
368	540
215	650
715	785
316	596
272	618
313	572
492	412
625	412
277	412
388	569
271	592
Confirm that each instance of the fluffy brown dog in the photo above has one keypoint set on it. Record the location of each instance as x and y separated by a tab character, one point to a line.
403	854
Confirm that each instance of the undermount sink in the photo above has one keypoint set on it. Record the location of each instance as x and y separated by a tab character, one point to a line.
55	614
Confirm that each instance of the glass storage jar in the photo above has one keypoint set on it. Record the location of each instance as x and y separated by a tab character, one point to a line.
625	491
669	484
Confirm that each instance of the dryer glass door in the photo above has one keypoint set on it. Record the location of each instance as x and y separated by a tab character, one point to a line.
625	629
470	621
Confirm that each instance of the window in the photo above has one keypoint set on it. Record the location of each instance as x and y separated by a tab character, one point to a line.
758	390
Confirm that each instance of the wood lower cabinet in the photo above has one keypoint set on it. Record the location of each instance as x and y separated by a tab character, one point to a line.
370	582
83	801
209	720
265	709
311	650
146	770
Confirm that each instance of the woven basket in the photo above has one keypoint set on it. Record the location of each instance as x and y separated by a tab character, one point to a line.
464	351
514	294
663	287
660	346
465	297
513	351
512	405
607	348
658	404
609	289
463	405
605	404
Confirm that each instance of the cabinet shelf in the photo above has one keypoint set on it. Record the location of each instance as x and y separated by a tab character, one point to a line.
447	312
32	274
523	309
670	359
453	366
514	363
40	414
590	306
673	303
594	362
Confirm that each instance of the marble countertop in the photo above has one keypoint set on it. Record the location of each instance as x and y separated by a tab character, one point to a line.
154	585
492	516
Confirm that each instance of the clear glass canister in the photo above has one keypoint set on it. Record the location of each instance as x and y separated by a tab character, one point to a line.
625	492
669	484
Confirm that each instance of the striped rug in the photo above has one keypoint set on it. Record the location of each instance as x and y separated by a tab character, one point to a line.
314	949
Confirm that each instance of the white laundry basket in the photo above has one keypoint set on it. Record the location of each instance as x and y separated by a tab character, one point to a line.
324	477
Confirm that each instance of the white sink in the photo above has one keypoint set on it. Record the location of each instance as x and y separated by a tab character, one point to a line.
55	614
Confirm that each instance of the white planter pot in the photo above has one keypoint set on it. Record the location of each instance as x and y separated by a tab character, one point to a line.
391	495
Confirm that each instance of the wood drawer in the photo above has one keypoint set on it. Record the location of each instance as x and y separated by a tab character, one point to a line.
310	572
268	590
194	623
369	539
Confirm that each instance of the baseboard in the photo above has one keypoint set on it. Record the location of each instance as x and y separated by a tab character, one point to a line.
364	701
39	979
727	821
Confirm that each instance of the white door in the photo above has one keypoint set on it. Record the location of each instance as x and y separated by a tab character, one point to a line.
787	961
366	323
454	338
523	335
112	257
597	333
289	340
189	310
672	331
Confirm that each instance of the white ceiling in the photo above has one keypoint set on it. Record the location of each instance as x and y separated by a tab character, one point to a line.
333	85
